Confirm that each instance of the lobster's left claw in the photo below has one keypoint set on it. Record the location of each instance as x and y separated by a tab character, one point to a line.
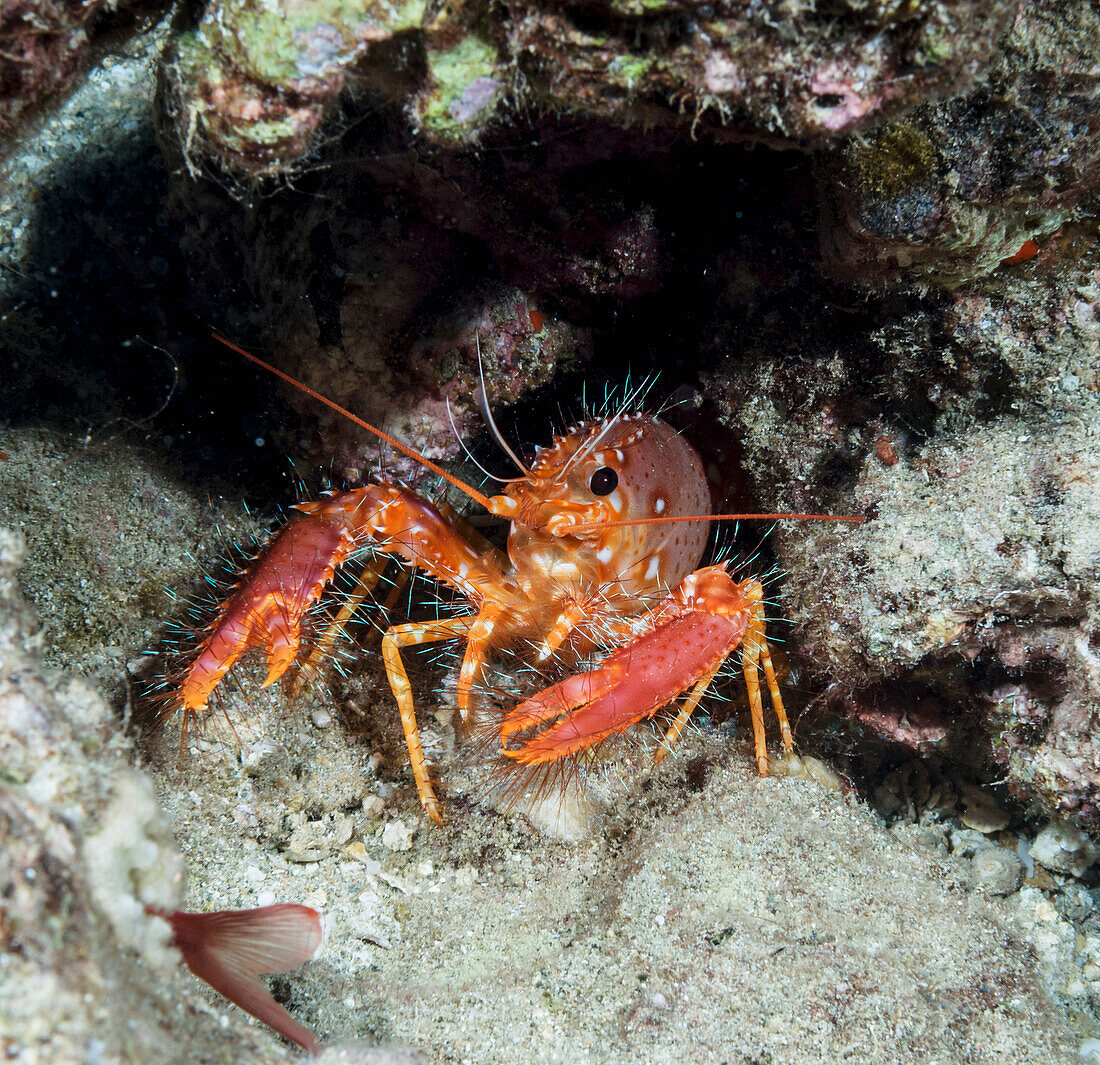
632	684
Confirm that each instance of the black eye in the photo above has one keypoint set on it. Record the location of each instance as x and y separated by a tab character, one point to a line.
604	481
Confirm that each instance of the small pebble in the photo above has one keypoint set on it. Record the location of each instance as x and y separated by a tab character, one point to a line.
265	898
263	751
321	718
966	842
307	856
397	836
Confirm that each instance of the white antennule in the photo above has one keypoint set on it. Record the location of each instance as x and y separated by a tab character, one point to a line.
487	414
469	454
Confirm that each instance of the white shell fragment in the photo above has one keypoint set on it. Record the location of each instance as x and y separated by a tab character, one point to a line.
806	767
1062	847
397	836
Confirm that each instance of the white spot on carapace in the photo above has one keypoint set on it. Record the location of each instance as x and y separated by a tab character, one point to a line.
463	569
653	570
604	554
551	566
619	455
658	506
616	502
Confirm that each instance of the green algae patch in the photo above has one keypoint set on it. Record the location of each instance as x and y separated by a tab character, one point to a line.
901	157
307	39
630	70
634	8
450	110
194	59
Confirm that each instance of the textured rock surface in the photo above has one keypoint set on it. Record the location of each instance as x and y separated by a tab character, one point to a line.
84	848
251	84
801	72
969	597
744	918
48	44
944	194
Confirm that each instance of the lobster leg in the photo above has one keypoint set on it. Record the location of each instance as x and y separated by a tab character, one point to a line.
478	641
676	729
414	634
754	653
570	617
322	649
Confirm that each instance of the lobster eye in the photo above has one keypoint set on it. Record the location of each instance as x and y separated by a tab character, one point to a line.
604	481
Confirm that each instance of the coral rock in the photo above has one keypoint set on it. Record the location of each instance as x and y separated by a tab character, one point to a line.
1064	848
956	189
47	44
252	82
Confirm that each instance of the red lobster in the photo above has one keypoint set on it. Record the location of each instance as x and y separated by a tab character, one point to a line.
607	527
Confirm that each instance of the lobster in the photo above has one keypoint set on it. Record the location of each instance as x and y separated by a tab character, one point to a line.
608	527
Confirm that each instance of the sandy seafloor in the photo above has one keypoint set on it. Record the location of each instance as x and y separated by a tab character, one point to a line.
706	915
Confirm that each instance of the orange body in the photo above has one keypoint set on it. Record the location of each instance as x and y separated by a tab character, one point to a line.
577	577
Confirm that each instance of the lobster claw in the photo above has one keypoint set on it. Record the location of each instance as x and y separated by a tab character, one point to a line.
267	608
632	684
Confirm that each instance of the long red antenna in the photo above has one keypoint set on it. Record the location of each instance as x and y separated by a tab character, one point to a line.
669	519
473	493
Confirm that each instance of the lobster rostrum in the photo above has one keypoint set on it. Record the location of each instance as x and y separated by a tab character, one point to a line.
608	526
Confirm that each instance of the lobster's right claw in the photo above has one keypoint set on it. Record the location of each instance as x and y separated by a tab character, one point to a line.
267	608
